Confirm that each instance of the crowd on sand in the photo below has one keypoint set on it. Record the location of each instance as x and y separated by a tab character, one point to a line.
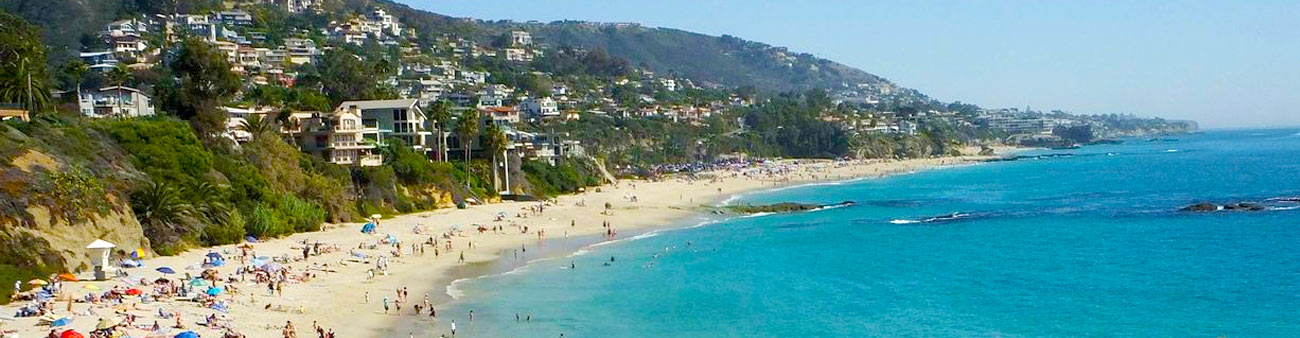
203	297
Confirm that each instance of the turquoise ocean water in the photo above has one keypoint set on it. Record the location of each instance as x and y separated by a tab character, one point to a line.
1088	244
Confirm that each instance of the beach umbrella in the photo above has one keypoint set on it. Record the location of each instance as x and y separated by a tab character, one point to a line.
213	291
198	282
68	277
71	334
271	267
133	292
37	282
376	216
166	270
214	255
61	322
187	334
105	323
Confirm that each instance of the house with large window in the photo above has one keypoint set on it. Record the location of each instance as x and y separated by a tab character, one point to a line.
400	119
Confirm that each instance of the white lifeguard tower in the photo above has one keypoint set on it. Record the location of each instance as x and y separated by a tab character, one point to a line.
99	251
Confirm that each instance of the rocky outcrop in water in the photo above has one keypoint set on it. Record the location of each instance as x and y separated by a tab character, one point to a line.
1211	207
783	207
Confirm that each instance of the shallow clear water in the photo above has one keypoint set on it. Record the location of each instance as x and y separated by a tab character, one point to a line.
1090	244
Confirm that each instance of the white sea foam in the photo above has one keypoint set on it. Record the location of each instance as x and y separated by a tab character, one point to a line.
904	221
454	289
757	214
1171	150
730	199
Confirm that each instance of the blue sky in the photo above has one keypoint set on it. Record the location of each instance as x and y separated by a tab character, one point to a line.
1225	64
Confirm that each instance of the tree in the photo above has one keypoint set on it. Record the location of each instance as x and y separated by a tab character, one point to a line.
343	76
440	113
163	212
23	77
258	125
495	142
204	82
118	76
468	127
75	71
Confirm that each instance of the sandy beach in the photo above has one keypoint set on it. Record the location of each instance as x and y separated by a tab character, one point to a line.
333	287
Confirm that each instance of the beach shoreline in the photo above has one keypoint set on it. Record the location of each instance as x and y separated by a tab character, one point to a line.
341	296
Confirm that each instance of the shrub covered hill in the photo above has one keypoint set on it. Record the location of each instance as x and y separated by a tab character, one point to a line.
638	100
709	60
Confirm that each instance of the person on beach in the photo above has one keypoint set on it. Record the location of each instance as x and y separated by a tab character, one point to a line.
471	316
453	327
289	331
385	305
462	257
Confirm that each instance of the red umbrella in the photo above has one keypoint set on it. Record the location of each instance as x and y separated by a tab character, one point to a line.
133	292
71	334
68	277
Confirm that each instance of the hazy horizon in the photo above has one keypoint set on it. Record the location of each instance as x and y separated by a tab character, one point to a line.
1225	65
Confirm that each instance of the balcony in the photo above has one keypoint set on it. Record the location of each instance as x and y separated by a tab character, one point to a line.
370	160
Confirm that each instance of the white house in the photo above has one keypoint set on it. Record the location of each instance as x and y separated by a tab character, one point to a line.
521	38
99	61
542	107
514	55
115	102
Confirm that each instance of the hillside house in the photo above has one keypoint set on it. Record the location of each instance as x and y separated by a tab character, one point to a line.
115	102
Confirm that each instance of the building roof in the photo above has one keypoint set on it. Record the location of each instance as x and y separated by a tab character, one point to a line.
116	88
500	109
379	104
94	54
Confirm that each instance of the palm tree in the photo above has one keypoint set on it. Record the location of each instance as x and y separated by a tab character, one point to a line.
494	142
209	202
290	124
23	83
256	124
468	127
162	211
118	76
440	113
76	70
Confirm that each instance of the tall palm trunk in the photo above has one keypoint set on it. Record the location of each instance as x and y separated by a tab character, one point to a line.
495	184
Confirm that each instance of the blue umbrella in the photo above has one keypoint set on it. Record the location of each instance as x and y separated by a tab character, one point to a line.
187	334
213	291
166	270
214	255
61	322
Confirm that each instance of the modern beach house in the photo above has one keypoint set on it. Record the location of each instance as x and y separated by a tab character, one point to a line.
401	119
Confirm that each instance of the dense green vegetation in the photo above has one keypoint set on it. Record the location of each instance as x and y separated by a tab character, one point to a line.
565	177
